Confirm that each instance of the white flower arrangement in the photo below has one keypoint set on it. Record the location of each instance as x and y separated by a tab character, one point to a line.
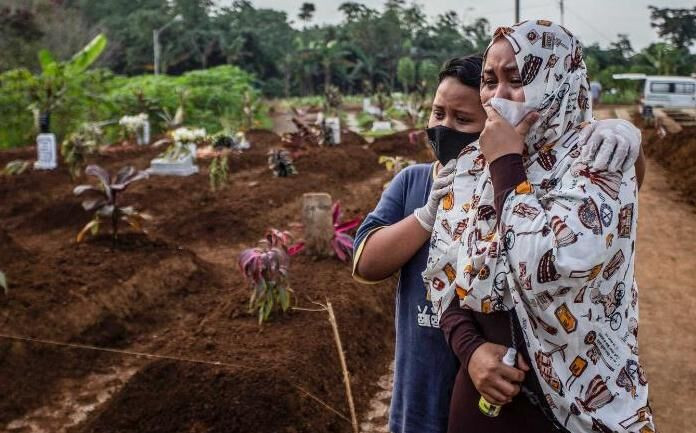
133	123
188	136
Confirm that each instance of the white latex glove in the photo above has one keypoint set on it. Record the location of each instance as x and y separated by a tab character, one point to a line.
441	186
611	145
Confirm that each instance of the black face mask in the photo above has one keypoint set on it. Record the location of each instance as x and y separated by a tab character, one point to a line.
448	143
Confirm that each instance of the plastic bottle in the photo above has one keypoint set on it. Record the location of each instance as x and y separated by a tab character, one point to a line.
487	408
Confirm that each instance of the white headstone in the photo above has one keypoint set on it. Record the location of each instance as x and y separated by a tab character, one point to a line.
366	104
143	135
46	155
182	166
335	124
379	126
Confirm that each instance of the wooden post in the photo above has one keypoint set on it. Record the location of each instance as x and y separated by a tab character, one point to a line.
318	224
344	366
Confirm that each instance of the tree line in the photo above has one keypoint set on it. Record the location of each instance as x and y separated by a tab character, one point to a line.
396	47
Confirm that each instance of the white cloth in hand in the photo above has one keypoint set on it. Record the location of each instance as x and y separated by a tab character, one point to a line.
612	145
441	186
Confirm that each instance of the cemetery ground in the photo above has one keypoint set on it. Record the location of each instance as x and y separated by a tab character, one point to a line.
178	292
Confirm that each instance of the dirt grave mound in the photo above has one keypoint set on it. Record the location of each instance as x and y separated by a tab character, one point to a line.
88	294
677	153
399	144
154	294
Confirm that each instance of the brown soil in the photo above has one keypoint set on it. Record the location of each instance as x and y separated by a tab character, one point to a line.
178	292
677	153
399	144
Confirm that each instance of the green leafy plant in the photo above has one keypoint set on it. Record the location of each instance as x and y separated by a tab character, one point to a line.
57	77
332	100
280	162
16	167
218	172
105	201
383	101
78	145
251	106
394	164
265	269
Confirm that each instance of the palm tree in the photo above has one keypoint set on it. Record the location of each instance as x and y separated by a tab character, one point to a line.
306	12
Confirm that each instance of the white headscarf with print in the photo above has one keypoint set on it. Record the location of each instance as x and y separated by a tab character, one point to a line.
557	257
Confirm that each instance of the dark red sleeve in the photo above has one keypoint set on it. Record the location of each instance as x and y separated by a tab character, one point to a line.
461	331
506	173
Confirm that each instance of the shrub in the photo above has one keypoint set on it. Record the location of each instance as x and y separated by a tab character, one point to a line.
265	269
218	172
78	145
280	163
105	205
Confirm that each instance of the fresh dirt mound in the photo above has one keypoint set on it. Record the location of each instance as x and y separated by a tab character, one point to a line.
156	295
291	352
89	294
677	153
399	144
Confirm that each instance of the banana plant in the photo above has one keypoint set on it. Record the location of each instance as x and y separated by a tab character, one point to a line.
105	204
56	77
265	269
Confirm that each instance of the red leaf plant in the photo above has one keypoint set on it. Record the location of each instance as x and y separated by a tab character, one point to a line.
265	268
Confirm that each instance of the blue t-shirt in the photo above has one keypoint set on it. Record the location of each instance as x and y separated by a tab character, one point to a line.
425	367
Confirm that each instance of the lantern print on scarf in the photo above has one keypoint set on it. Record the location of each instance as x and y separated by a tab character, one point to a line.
564	249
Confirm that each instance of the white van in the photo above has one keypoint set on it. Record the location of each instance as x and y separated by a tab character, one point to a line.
661	91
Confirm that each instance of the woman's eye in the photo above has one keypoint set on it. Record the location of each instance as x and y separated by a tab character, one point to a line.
439	115
462	120
490	83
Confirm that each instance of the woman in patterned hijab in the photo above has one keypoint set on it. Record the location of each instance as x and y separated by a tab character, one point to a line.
549	240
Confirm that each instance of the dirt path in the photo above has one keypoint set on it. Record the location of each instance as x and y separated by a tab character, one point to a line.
665	272
666	257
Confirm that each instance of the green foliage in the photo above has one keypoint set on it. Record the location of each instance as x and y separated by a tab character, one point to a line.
621	97
332	100
676	25
104	202
78	145
210	95
15	168
406	73
218	172
365	120
17	127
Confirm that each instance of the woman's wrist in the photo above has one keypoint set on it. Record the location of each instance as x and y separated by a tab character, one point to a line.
506	173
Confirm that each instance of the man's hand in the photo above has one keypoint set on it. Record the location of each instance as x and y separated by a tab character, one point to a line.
495	381
500	138
611	145
441	186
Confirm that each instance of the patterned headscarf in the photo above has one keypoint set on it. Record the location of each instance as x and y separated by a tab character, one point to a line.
562	255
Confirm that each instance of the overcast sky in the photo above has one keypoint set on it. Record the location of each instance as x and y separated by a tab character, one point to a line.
592	20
